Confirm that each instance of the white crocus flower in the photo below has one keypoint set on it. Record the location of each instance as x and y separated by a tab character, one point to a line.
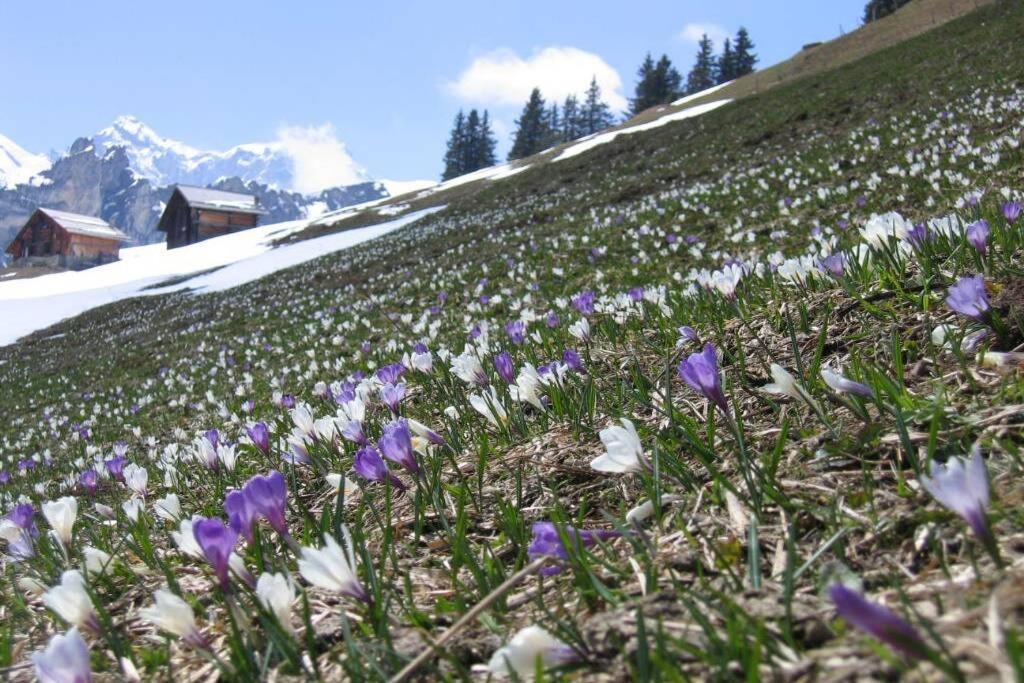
133	507
96	561
623	450
331	568
61	514
186	540
528	387
71	602
784	383
172	614
276	593
467	367
336	481
490	407
168	507
136	478
304	420
520	655
227	456
580	330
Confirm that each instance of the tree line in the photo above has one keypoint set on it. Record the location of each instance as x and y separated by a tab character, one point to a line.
876	9
471	143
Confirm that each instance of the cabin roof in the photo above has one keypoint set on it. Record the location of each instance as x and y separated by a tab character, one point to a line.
85	225
222	200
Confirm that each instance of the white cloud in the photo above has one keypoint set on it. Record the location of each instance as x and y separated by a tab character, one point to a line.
692	33
502	77
319	157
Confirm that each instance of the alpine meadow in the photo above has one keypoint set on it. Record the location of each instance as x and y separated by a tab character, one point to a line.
729	389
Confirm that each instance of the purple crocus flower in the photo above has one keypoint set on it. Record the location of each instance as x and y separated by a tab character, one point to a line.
354	432
65	659
847	386
217	542
878	621
969	298
584	302
396	445
213	436
516	331
1011	212
5	477
573	361
551	319
547	543
268	495
687	333
22	548
977	235
369	465
503	364
701	372
392	395
918	235
962	487
115	467
287	401
260	436
391	374
89	480
241	514
23	514
636	294
834	265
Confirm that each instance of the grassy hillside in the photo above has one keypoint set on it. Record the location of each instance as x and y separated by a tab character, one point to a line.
751	233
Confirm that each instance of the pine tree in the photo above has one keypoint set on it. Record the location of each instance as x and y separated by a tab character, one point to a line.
669	84
659	84
595	115
743	54
570	119
531	128
702	76
726	66
472	139
488	143
554	127
643	96
453	156
471	145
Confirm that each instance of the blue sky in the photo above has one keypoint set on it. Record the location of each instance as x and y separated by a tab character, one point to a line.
387	77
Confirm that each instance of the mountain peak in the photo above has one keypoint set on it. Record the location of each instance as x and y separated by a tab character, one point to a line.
305	160
17	165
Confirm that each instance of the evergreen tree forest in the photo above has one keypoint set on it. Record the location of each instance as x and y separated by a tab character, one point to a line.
471	145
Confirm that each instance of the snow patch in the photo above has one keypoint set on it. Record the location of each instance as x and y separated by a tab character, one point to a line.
593	141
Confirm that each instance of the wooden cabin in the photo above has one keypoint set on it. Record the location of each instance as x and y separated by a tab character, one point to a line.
194	214
67	240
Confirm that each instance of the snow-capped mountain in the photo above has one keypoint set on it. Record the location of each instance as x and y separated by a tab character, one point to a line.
18	166
305	160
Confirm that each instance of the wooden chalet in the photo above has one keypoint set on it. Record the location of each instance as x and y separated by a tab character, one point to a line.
194	214
68	240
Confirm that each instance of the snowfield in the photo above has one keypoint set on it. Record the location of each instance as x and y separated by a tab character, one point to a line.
593	141
233	259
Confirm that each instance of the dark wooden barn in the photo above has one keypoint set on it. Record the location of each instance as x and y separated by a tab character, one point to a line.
68	240
194	214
